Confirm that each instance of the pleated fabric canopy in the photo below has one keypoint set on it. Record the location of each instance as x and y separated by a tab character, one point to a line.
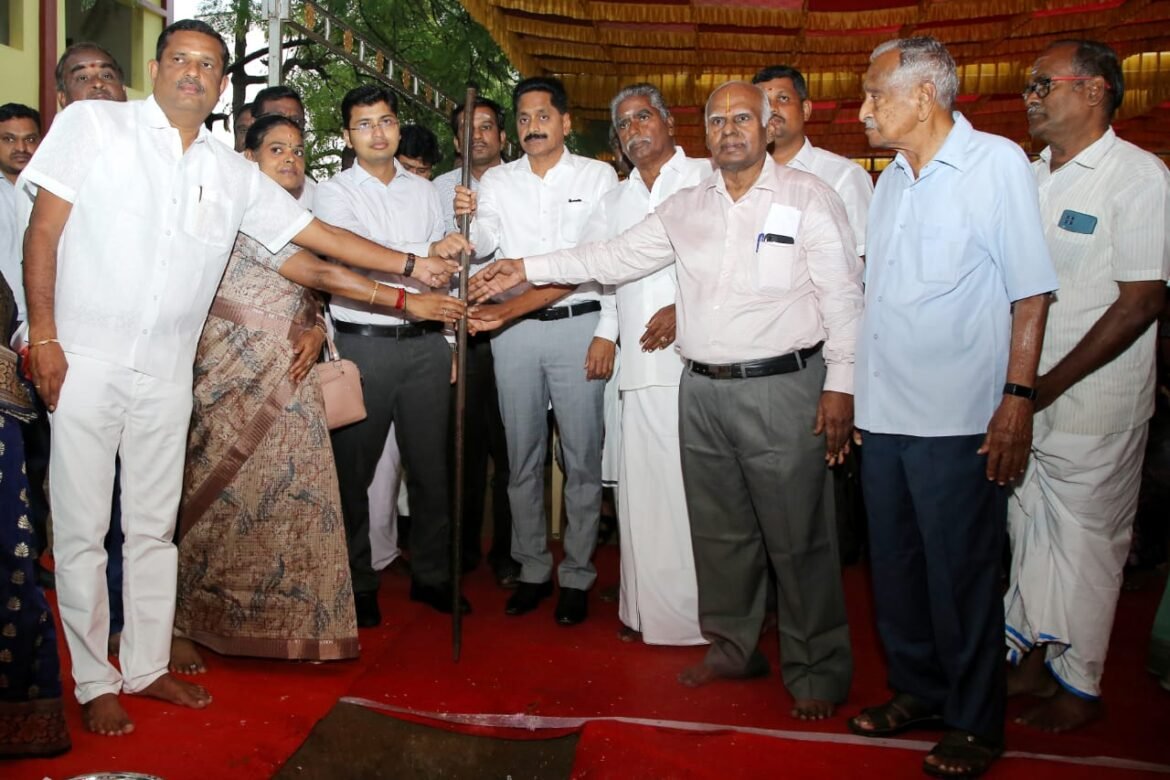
687	47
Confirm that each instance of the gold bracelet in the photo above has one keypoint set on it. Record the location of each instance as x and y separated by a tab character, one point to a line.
43	342
374	292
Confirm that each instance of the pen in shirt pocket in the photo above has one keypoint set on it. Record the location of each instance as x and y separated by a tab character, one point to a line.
773	238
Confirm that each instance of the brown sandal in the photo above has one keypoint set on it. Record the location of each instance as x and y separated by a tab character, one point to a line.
901	713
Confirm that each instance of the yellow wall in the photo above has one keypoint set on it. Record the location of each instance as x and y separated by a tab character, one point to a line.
18	62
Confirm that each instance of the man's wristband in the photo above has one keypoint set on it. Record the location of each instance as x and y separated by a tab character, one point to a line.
1023	391
408	269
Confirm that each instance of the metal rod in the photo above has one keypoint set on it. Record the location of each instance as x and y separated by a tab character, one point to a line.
461	393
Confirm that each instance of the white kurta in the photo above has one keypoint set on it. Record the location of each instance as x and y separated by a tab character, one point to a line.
1105	216
659	596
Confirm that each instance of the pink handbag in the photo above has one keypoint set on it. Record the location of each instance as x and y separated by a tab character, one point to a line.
341	389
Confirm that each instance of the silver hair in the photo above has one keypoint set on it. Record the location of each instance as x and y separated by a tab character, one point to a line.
765	106
642	89
924	59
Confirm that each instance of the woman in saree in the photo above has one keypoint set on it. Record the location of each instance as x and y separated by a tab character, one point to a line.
263	567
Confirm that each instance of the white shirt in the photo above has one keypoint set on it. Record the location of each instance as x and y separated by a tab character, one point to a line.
620	209
1127	191
847	178
11	236
521	214
404	215
740	298
307	194
150	230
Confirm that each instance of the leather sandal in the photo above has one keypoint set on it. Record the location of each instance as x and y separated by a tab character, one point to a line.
963	747
901	713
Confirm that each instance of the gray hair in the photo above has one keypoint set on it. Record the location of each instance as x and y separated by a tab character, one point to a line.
765	106
924	59
642	89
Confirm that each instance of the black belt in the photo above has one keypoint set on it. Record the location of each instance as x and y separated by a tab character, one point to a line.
388	331
785	364
561	312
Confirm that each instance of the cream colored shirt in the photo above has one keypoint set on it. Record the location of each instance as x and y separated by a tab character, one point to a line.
847	178
1127	191
150	231
739	297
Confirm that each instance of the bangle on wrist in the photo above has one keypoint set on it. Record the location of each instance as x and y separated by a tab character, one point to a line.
1023	391
43	342
404	298
408	269
373	293
400	303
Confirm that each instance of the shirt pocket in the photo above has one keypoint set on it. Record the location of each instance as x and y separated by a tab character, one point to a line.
774	267
941	250
574	216
208	218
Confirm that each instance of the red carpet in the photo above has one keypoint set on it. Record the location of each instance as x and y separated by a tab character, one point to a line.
530	666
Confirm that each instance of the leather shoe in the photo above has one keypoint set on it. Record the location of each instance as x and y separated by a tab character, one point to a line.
527	597
437	597
572	606
508	575
366	606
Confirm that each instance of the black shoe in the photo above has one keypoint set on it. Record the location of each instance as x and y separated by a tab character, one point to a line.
507	575
366	604
527	597
437	597
572	606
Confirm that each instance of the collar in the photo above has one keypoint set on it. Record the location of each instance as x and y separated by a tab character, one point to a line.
765	181
953	152
1089	157
361	175
567	159
803	158
155	118
675	163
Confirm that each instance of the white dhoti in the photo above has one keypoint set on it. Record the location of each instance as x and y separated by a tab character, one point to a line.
659	596
383	495
611	445
105	410
1071	519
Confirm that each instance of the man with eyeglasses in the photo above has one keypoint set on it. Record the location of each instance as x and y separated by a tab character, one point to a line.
957	283
1105	205
405	363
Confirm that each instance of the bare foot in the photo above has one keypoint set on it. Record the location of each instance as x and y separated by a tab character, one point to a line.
104	715
1031	677
697	676
812	709
176	691
114	644
1062	712
627	634
185	659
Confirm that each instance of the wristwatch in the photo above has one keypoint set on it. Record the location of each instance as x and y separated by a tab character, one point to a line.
1023	391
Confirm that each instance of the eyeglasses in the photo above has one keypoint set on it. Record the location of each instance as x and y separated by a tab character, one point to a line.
366	126
1042	86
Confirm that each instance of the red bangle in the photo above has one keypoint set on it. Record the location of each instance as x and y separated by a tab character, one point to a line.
401	302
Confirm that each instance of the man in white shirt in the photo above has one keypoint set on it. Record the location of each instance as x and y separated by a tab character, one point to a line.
769	300
20	134
659	597
539	203
483	422
1106	210
133	224
405	362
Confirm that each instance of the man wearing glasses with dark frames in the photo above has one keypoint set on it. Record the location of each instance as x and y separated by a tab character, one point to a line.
1105	209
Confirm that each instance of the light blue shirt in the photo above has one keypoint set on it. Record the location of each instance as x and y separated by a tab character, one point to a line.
947	253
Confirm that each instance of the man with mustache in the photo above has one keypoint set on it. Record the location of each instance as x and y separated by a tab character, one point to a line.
556	353
20	134
86	71
134	220
1106	210
769	299
485	427
956	291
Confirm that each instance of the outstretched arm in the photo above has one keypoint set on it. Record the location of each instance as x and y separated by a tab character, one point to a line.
325	239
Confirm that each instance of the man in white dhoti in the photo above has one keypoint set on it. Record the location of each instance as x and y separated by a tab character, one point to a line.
659	598
1106	207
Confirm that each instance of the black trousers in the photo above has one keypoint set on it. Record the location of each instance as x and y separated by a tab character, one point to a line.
406	382
936	535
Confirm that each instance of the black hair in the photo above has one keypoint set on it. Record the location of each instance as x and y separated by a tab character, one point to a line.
480	102
192	25
420	143
20	111
255	137
784	72
367	95
278	92
85	46
1093	58
550	84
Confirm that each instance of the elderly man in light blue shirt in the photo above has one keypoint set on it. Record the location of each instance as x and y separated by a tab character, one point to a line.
957	283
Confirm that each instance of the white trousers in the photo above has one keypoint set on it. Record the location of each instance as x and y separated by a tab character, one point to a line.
105	410
659	596
611	445
384	497
1071	519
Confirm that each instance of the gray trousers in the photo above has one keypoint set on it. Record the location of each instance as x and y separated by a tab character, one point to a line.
408	383
538	362
755	478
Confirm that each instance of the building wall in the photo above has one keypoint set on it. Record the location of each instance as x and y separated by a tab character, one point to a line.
18	57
